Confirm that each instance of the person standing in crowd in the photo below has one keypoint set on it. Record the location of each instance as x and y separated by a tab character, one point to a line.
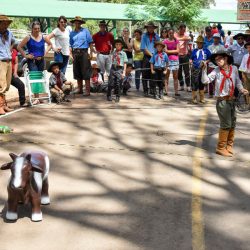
15	80
6	41
214	29
221	32
80	42
118	70
226	80
199	57
127	80
214	48
208	39
138	57
245	70
228	41
103	41
147	46
61	49
36	50
127	44
184	40
158	66
164	34
172	49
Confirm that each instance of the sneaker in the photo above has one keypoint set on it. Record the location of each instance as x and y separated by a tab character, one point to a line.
156	97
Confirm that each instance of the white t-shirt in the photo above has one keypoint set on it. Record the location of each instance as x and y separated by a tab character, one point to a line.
62	40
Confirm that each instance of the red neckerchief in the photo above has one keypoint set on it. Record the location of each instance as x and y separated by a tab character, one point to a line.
117	57
159	54
95	79
222	71
58	80
248	62
151	36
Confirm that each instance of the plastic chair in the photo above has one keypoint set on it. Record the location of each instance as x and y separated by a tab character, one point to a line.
37	84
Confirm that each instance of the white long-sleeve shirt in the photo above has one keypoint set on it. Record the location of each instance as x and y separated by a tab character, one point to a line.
218	76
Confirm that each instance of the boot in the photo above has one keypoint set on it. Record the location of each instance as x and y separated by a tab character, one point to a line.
2	112
194	97
230	141
87	88
5	107
222	143
202	96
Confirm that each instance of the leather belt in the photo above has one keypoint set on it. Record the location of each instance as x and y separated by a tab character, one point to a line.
80	50
226	98
6	60
105	53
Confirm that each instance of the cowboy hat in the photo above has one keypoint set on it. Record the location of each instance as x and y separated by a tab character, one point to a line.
238	35
4	18
200	39
159	43
222	53
247	44
150	24
52	64
78	19
95	66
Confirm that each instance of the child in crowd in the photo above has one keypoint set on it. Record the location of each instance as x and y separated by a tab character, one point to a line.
96	80
127	80
226	78
199	57
245	69
158	66
59	86
118	70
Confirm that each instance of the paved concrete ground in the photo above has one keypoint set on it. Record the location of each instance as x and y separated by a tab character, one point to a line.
141	174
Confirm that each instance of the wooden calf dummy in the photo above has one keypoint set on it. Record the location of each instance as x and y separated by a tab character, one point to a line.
28	183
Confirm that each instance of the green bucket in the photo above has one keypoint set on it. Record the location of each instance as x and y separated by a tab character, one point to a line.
37	87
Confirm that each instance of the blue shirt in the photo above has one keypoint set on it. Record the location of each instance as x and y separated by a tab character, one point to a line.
5	48
159	61
199	55
147	44
81	39
207	42
37	49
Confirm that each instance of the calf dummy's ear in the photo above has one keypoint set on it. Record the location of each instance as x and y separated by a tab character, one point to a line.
13	156
36	169
28	157
6	166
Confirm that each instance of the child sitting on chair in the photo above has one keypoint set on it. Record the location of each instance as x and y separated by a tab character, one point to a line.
59	86
96	80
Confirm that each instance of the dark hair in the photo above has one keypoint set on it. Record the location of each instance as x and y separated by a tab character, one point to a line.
59	18
138	31
229	32
164	29
129	65
34	24
219	26
182	25
172	29
208	29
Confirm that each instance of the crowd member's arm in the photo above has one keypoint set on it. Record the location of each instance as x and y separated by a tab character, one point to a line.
20	48
71	42
205	78
176	51
48	38
152	62
166	60
125	65
143	46
48	43
134	48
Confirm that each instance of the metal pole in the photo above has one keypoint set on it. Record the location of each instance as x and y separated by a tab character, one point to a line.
114	28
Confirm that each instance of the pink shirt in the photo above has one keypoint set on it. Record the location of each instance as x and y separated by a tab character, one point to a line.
183	44
172	45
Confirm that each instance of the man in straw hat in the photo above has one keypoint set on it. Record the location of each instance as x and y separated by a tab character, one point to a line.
199	57
80	42
6	41
147	46
103	41
226	80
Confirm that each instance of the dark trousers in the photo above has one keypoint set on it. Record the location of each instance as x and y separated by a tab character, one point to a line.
146	74
115	80
196	79
184	66
211	85
138	65
36	65
158	81
17	83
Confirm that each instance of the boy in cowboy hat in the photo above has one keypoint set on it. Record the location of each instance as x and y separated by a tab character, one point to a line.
158	66
245	69
96	81
6	41
147	46
226	80
118	70
199	57
59	86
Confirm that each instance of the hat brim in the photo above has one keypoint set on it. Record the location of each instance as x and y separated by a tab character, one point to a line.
9	21
75	20
238	35
54	64
199	41
224	54
146	26
162	45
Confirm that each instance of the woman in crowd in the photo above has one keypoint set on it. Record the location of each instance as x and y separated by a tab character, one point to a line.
164	34
127	44
35	43
172	50
61	35
138	57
